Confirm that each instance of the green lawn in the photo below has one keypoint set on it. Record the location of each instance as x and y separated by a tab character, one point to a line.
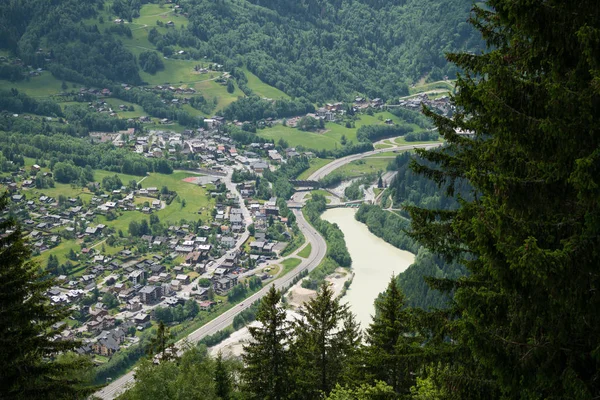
176	73
449	85
115	103
125	178
315	164
322	193
289	264
331	138
44	85
305	252
61	251
195	197
296	137
363	167
210	89
262	89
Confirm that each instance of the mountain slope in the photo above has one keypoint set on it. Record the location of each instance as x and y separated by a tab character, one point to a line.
319	49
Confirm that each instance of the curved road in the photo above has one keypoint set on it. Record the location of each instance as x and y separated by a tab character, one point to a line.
319	248
329	168
222	321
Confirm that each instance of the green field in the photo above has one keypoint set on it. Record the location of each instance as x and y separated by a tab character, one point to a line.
210	89
262	89
125	178
401	141
289	264
322	193
115	103
296	137
315	164
195	197
305	252
331	138
447	85
363	167
44	85
60	251
176	73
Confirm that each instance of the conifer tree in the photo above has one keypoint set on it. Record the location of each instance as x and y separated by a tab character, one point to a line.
266	358
324	337
160	346
32	366
222	379
525	321
390	339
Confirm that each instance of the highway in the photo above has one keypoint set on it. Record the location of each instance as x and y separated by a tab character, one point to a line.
319	248
329	168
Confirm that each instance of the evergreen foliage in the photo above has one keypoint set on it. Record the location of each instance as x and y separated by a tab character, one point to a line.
150	62
266	357
192	377
161	345
330	49
32	365
524	321
389	355
325	336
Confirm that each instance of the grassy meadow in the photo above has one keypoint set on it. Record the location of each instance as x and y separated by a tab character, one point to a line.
331	137
262	89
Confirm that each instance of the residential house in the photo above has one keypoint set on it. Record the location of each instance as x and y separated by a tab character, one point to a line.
150	294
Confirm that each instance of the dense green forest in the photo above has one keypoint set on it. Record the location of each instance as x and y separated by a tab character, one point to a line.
411	189
319	49
329	49
69	48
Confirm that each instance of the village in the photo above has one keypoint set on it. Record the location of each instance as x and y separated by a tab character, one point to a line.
188	267
121	280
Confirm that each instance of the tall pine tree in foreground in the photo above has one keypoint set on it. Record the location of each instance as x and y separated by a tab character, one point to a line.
392	345
525	322
325	342
266	357
223	387
33	365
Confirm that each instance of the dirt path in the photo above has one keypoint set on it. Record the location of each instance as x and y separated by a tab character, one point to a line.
98	244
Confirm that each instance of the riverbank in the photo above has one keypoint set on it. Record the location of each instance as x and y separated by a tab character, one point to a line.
374	261
295	297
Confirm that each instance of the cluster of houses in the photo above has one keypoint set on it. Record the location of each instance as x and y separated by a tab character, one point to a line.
46	224
441	104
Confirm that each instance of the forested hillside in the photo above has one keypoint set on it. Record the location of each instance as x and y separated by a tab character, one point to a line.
410	189
329	49
52	35
318	49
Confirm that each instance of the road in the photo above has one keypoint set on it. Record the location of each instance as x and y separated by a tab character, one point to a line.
319	249
329	168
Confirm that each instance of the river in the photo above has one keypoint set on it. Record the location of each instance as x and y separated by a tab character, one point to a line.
373	262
